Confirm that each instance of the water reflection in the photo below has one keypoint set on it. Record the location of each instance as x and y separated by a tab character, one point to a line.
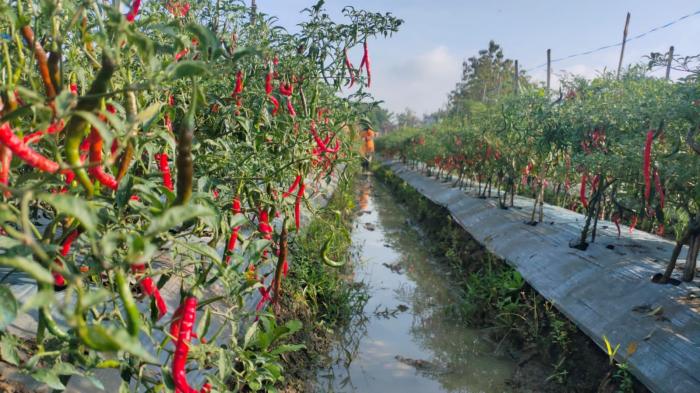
406	340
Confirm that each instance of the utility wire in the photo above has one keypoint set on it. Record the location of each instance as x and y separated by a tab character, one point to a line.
636	37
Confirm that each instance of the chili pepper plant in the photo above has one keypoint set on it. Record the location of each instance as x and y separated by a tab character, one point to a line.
144	159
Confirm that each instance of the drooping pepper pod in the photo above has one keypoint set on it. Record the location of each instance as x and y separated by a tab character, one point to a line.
164	168
365	63
297	205
351	69
96	168
182	347
149	288
582	191
231	245
133	316
184	161
293	187
77	124
41	61
135	5
59	281
24	152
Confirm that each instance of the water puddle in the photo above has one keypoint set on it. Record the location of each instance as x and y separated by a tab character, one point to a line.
406	341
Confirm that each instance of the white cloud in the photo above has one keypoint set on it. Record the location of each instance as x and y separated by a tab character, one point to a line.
420	83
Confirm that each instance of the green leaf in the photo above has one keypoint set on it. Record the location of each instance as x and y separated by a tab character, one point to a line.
49	378
287	348
35	270
8	349
189	68
249	334
8	307
200	248
176	216
133	346
74	207
63	368
148	113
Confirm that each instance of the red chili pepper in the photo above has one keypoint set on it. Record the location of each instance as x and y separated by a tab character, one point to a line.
135	5
165	170
582	193
59	281
51	129
264	225
292	187
231	245
286	89
5	160
265	292
189	314
659	188
179	55
96	168
150	289
297	205
365	63
268	83
175	321
647	164
24	152
275	104
320	143
351	69
633	224
238	89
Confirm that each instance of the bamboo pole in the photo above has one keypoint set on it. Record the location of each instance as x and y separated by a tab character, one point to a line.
624	42
668	64
516	78
549	68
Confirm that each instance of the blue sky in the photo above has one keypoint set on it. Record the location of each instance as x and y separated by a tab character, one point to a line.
417	67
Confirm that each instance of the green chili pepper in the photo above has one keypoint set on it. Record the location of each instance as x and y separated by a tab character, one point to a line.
324	254
75	129
132	312
184	162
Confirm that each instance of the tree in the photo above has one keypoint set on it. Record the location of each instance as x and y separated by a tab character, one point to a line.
485	78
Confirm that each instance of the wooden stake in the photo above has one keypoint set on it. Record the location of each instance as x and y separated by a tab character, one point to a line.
668	65
549	68
624	41
515	78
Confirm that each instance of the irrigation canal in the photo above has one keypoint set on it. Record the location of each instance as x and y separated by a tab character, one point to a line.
406	340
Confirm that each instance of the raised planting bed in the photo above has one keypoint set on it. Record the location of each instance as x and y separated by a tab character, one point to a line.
605	290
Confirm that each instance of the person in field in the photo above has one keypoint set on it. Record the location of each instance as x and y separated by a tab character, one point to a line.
367	148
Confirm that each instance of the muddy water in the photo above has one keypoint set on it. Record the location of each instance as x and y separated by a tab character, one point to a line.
406	340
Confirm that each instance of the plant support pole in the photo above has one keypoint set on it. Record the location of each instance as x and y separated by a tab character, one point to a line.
624	41
668	64
549	68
